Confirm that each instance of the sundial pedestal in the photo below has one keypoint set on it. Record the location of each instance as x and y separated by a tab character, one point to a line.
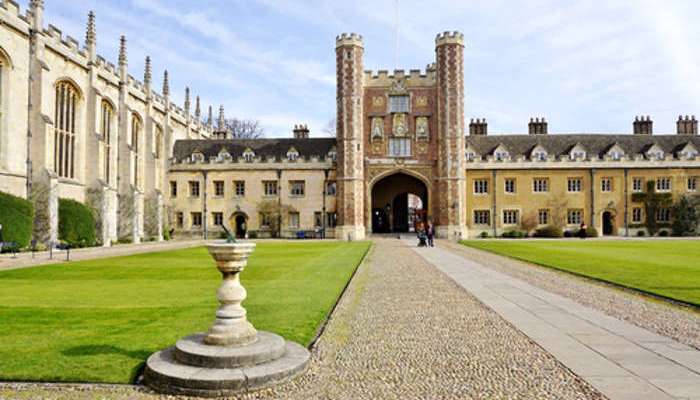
232	357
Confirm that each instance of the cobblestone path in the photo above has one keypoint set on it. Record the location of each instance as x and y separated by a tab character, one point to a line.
403	330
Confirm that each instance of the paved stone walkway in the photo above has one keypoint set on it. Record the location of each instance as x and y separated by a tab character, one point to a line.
619	359
403	330
24	260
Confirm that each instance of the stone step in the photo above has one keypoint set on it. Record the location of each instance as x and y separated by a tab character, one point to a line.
165	374
192	350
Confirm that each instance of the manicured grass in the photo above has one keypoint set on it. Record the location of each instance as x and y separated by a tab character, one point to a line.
669	268
98	320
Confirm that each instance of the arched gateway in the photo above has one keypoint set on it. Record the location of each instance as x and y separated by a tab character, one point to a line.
399	202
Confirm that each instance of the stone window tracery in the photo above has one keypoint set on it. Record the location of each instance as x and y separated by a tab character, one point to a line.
65	116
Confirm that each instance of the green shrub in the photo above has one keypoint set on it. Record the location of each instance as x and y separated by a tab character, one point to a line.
591	232
16	217
663	233
252	234
641	233
568	234
514	234
76	223
549	232
484	235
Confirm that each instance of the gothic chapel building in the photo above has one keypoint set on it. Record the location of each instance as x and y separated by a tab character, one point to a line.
73	125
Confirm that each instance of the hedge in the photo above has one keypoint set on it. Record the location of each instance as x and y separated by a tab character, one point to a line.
76	223
549	232
16	217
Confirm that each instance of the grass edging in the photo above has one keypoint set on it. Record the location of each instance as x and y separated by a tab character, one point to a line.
695	307
322	326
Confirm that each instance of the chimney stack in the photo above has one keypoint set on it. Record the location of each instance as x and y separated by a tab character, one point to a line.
301	131
478	127
687	126
643	125
537	126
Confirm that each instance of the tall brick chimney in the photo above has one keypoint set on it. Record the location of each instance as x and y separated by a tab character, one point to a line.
687	126
537	126
301	131
478	127
643	125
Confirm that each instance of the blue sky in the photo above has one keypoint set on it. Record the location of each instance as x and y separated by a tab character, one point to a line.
587	66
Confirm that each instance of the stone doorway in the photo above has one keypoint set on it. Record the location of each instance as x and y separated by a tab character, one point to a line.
608	224
399	203
240	225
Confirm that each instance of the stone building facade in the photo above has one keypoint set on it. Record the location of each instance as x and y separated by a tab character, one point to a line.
73	125
403	154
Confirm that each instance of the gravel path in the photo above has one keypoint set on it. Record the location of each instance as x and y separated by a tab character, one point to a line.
667	319
403	330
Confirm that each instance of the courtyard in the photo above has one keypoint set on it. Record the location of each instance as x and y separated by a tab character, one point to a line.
447	322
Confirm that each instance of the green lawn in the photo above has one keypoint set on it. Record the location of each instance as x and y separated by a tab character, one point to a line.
98	320
669	268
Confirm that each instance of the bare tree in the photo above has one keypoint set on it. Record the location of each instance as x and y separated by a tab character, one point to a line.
244	128
330	127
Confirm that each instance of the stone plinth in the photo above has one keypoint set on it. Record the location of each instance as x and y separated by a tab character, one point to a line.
232	357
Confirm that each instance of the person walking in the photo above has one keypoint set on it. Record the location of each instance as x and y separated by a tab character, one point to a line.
431	234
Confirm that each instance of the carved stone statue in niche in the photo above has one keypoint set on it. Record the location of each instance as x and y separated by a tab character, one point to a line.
422	130
400	124
377	128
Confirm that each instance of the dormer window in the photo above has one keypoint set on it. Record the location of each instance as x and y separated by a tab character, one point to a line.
248	155
578	153
292	154
501	153
655	153
198	156
616	153
470	154
688	152
538	154
332	155
223	155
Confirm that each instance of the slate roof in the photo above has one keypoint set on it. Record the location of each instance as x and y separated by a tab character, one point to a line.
594	144
265	148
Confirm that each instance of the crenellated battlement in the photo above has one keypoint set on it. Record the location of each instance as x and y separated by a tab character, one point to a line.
447	37
349	39
414	77
12	7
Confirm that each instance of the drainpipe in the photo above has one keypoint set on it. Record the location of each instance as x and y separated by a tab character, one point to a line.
279	203
204	207
592	174
323	211
627	227
493	203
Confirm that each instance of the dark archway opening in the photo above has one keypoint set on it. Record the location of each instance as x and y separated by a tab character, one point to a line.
608	226
399	204
240	225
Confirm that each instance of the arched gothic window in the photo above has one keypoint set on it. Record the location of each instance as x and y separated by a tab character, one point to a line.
106	131
64	133
135	134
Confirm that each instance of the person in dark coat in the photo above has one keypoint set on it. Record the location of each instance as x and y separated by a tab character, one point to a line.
582	231
431	233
